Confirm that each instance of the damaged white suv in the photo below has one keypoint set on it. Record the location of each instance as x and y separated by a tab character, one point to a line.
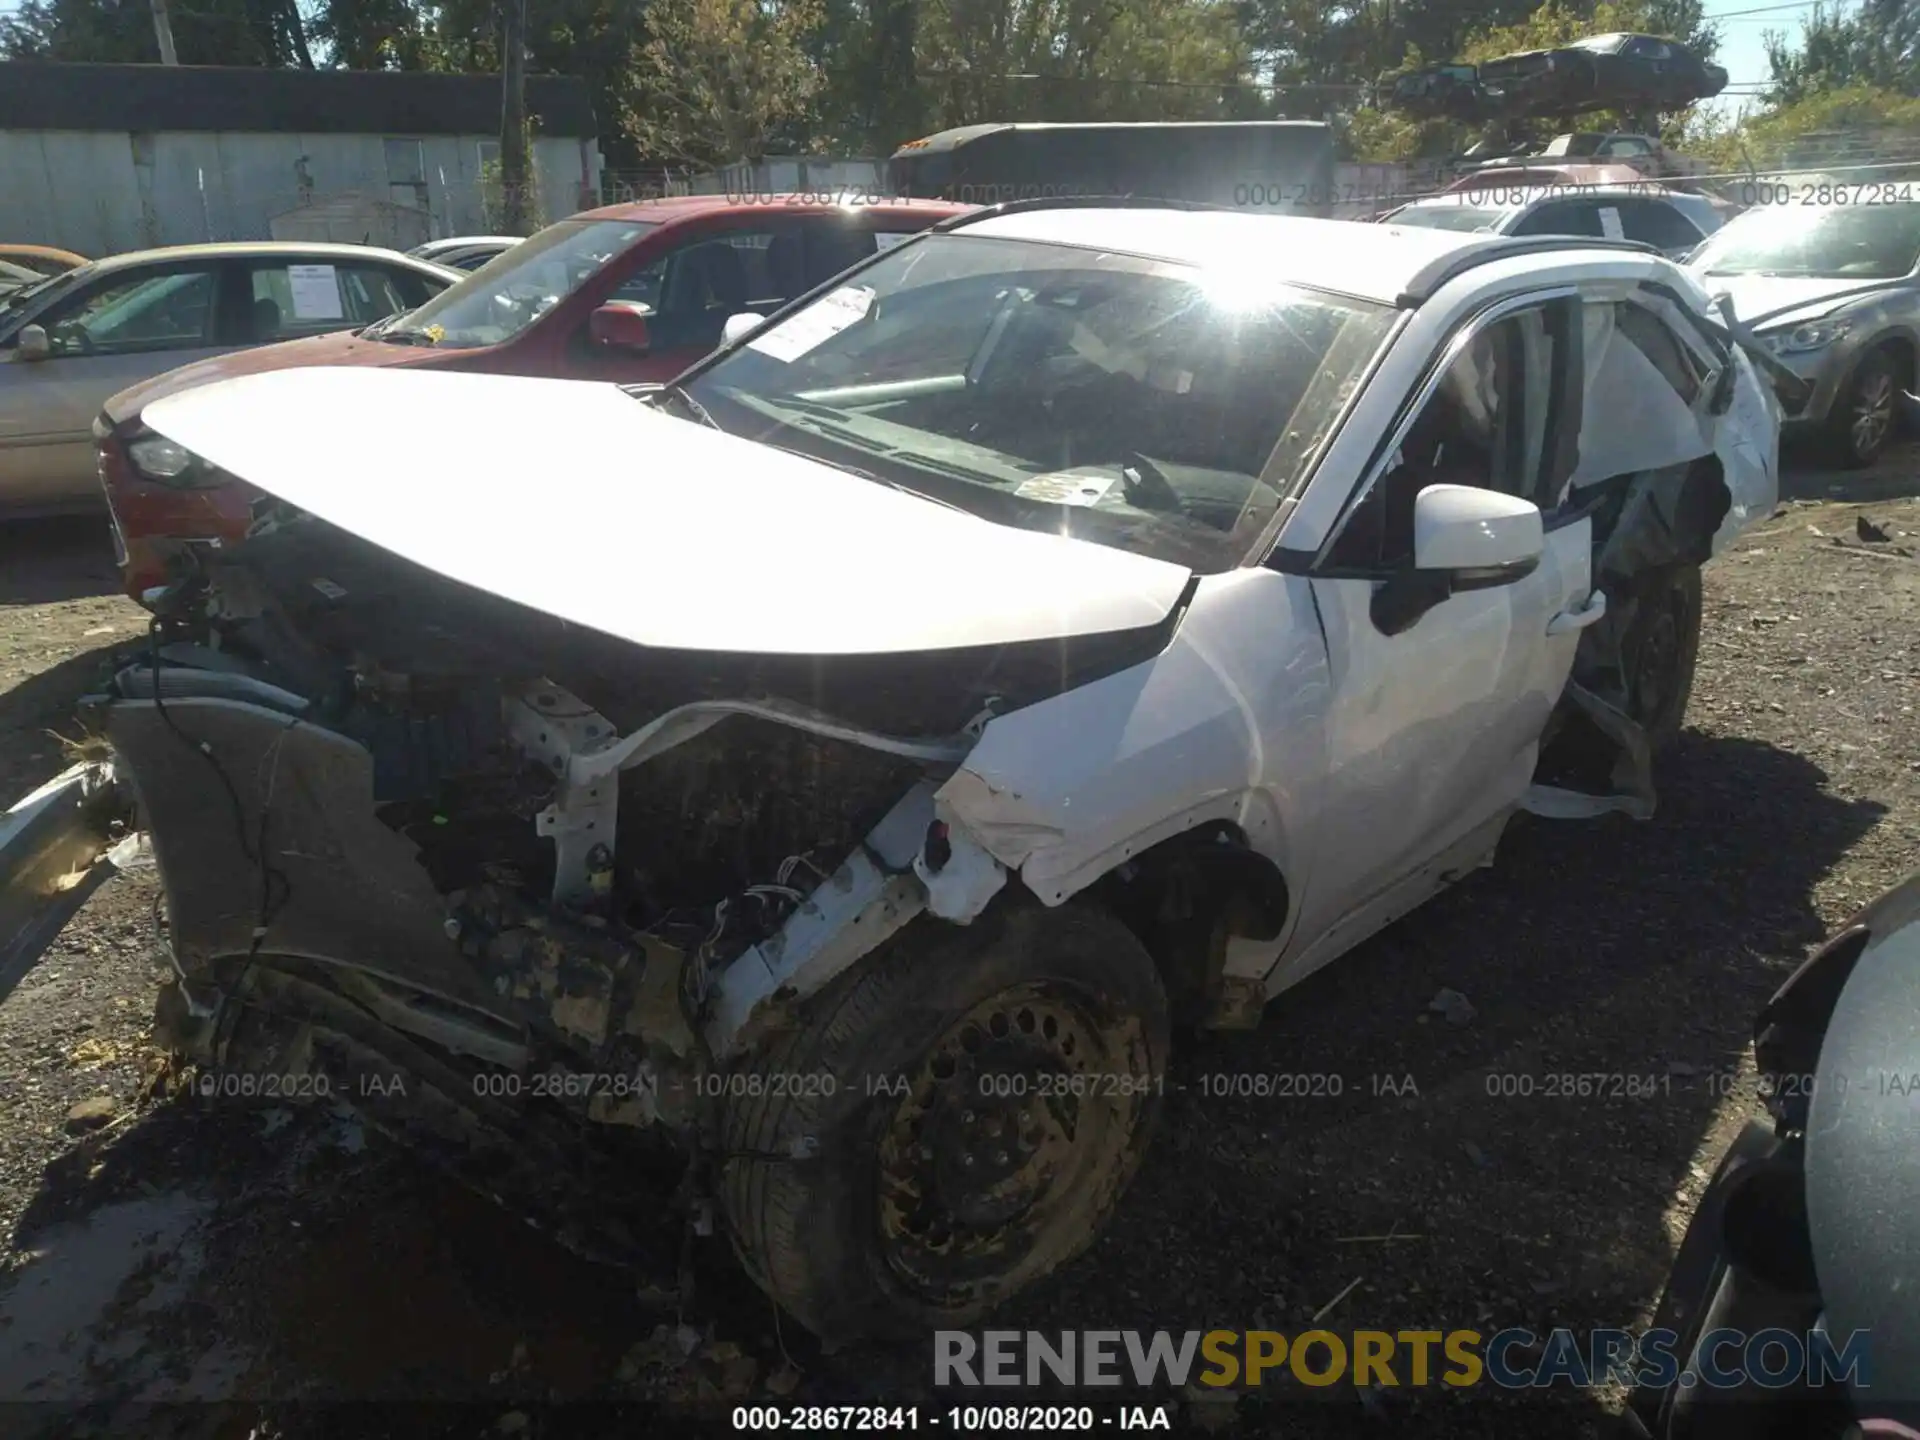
852	761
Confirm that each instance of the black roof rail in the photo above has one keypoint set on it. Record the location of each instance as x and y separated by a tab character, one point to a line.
1074	202
1505	247
1498	248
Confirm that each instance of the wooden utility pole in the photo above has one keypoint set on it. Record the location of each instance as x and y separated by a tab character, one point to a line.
163	32
514	179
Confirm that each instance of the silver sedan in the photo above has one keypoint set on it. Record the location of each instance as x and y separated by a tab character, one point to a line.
69	342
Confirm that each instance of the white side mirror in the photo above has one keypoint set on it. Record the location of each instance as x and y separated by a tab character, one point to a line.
32	343
739	326
1476	534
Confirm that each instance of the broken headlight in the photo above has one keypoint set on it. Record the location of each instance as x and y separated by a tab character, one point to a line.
1814	335
157	458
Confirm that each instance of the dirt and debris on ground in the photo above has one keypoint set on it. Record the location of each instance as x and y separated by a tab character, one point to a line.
1497	1113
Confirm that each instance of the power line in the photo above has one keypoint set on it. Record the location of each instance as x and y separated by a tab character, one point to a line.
1763	10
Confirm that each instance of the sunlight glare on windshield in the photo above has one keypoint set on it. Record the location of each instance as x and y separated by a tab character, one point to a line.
1239	290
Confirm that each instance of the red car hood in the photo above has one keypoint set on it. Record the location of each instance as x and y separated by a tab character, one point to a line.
342	348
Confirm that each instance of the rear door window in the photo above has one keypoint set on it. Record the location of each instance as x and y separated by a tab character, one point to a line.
1654	222
833	247
294	299
1563	217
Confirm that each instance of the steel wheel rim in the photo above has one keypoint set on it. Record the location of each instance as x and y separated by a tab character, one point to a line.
973	1183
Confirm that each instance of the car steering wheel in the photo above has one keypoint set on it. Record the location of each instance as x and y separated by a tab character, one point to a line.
70	336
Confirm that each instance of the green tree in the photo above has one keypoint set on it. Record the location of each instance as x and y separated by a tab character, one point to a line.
1766	137
718	79
1875	46
212	32
871	98
1056	60
380	35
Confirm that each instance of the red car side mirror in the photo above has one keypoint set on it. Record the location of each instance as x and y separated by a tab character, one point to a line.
619	325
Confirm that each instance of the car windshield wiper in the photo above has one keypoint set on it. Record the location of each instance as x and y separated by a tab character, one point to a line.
24	293
407	335
693	407
855	470
815	408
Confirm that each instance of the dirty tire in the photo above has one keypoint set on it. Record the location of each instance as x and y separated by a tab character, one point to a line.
1659	652
1866	412
1662	648
828	1236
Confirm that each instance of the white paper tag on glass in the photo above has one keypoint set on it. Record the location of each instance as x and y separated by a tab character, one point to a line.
815	325
316	292
1610	223
1066	489
887	239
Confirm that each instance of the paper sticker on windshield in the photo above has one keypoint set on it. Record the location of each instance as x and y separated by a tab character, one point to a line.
1066	489
316	292
815	325
1610	223
887	239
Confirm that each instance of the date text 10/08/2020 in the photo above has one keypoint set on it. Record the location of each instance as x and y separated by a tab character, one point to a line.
996	1419
1253	195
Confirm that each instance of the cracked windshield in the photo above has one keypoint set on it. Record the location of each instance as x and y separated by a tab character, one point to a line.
1137	404
508	294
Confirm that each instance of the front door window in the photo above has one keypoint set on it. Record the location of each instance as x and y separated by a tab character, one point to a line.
172	310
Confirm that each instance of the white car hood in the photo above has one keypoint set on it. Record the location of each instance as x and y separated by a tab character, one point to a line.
1771	300
575	499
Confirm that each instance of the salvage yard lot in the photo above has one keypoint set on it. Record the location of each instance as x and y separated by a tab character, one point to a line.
1528	1158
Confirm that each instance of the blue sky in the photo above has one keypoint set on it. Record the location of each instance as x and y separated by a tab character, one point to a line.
1743	24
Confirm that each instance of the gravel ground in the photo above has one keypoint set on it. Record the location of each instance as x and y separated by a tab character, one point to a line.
241	1267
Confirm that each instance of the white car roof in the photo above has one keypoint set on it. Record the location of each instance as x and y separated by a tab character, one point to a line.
461	242
1371	262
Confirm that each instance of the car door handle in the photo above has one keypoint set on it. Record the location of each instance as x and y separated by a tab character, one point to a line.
1570	620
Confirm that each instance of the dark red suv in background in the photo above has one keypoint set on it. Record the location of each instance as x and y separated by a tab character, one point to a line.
625	293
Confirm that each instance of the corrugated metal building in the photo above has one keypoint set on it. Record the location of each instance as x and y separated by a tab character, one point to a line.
106	158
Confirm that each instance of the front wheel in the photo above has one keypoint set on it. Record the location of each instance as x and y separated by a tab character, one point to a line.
952	1120
1866	414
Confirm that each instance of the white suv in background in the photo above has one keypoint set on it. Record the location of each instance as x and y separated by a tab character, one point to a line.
1672	221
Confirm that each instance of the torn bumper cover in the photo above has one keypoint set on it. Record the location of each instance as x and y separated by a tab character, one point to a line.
285	886
57	846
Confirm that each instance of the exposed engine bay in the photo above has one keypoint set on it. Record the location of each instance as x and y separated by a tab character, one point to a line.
478	863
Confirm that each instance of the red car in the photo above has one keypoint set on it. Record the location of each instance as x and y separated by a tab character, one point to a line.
625	293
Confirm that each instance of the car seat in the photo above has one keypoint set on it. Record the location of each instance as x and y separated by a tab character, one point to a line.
725	274
266	318
786	267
